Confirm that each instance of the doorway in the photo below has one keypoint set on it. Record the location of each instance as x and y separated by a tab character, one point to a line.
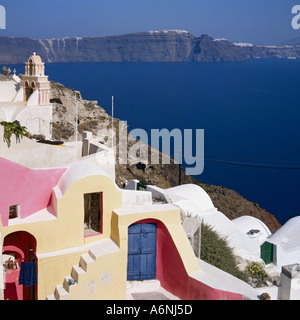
93	207
20	266
141	251
266	252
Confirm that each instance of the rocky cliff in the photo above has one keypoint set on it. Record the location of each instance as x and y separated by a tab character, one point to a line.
153	46
94	118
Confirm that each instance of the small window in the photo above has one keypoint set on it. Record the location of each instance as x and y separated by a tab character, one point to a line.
253	232
14	212
93	213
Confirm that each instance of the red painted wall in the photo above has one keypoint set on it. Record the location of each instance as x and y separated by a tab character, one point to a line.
19	243
31	189
13	291
171	273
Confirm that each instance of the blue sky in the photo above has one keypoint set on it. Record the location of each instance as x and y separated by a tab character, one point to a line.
256	21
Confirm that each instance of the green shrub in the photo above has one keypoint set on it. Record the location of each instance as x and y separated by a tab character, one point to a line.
256	271
15	128
216	251
143	184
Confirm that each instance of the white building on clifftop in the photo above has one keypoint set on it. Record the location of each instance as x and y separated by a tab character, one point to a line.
27	100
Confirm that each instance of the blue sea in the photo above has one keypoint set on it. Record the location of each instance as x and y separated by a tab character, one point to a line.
250	113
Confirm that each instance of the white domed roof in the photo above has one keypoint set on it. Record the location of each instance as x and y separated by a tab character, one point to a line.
288	236
190	198
79	170
252	226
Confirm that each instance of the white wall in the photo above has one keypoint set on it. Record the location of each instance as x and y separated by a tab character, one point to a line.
8	90
100	154
132	185
290	283
283	258
37	120
156	192
37	155
131	198
222	280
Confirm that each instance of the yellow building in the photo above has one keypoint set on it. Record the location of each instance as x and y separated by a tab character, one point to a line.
67	231
80	232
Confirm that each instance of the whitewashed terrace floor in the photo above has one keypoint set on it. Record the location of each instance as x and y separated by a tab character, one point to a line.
147	290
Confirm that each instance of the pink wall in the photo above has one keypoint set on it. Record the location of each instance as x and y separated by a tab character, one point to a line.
172	275
29	188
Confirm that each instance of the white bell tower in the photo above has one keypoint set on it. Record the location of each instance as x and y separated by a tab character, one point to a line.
35	79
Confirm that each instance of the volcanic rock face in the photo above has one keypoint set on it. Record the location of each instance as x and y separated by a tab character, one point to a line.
153	46
94	118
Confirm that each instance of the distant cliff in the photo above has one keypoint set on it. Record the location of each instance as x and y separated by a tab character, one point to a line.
152	46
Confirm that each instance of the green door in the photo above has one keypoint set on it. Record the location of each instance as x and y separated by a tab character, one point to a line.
266	252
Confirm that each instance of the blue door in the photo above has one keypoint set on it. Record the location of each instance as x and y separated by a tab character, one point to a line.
141	251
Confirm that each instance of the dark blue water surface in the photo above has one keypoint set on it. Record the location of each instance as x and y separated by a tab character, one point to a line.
250	112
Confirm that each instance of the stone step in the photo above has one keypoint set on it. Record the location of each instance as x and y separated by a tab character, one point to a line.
77	272
50	297
85	260
68	287
60	293
105	246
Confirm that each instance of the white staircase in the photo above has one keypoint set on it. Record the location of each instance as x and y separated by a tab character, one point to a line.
77	278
